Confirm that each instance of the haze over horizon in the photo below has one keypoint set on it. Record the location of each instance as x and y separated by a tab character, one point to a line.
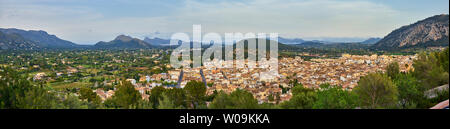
86	22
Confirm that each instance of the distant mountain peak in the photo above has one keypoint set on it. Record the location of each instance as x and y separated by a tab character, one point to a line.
157	41
124	38
290	41
123	41
153	38
372	40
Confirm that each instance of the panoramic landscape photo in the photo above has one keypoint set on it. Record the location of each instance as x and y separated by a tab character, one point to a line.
235	54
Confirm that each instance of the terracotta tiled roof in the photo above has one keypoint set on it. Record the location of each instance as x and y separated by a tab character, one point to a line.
441	105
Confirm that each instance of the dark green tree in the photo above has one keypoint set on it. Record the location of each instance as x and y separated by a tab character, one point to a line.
16	92
89	95
302	98
428	71
155	95
238	99
376	90
12	87
271	97
334	97
195	93
411	92
39	98
177	95
167	103
393	70
444	59
126	96
72	102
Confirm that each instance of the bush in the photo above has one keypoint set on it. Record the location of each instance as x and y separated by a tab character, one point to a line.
238	99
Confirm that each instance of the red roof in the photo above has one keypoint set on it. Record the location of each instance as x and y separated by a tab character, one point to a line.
441	105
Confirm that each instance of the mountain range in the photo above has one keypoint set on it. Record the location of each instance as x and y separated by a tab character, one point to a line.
432	31
15	41
157	41
371	41
40	38
290	41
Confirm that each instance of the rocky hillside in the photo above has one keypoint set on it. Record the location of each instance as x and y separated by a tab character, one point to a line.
15	42
433	31
41	38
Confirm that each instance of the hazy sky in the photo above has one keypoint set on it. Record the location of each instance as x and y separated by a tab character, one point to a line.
90	21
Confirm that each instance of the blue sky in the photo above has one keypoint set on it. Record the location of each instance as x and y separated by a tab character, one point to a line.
90	21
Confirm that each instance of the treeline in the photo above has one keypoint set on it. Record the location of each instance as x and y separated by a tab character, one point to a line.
392	89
